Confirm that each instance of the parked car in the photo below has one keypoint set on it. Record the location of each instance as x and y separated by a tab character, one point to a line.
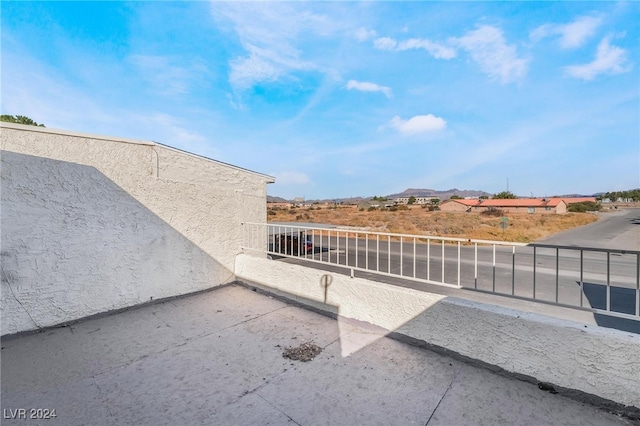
291	242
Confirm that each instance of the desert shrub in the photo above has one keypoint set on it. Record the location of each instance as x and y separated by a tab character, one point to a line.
271	213
371	209
402	207
299	217
393	208
493	212
587	206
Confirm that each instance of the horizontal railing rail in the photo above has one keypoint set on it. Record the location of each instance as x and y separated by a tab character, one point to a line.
604	281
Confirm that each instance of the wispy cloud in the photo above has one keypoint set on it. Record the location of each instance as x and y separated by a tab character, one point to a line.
363	34
609	60
364	86
488	47
572	35
169	76
418	124
175	129
269	33
437	50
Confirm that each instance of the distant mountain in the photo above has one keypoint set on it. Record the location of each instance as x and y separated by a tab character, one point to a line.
576	195
271	199
417	192
443	195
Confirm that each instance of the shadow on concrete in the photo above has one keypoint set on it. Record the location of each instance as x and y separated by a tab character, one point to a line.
622	300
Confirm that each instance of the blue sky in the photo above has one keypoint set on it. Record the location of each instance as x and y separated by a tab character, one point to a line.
340	99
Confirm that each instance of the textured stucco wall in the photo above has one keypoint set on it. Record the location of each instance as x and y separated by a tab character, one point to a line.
598	361
90	224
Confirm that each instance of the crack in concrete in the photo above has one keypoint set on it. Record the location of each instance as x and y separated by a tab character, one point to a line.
278	409
262	385
455	376
102	394
245	321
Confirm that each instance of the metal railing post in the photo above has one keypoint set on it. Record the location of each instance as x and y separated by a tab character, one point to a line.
608	281
357	250
346	249
378	252
401	258
389	254
442	280
475	266
428	259
581	277
513	271
557	272
414	257
534	273
366	251
494	268
459	264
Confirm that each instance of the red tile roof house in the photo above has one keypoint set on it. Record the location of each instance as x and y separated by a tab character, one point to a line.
518	205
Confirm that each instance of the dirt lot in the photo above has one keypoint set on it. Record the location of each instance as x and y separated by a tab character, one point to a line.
522	227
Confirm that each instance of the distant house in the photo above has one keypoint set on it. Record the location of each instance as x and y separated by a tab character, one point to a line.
457	205
573	200
518	205
419	200
279	205
368	204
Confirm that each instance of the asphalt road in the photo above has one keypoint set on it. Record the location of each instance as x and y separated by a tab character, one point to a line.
614	230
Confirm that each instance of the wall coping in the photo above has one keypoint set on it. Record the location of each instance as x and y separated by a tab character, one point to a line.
37	129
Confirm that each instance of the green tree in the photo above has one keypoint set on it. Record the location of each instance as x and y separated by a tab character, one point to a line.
412	200
505	195
455	197
587	206
435	201
19	119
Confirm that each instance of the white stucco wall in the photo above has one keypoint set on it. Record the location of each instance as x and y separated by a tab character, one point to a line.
598	361
91	224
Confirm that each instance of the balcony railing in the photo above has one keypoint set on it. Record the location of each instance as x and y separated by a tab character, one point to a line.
603	281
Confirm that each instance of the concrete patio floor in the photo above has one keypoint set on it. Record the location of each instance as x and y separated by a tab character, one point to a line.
216	358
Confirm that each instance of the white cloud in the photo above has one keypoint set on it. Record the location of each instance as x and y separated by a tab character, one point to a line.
269	33
364	34
437	50
609	60
572	35
418	124
291	178
364	86
385	43
488	48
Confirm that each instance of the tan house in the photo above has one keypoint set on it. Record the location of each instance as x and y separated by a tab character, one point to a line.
459	205
278	205
518	205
